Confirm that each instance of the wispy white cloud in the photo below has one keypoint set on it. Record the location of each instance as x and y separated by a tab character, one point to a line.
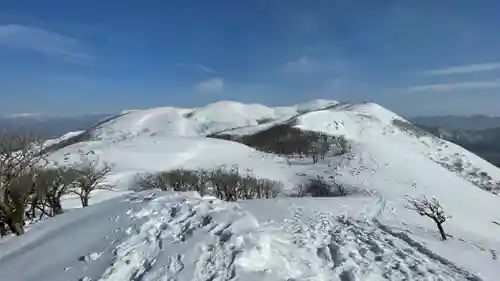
301	65
211	86
455	86
316	60
197	67
43	41
464	69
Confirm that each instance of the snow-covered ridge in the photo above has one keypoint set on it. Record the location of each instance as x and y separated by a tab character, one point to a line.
202	121
368	235
376	130
368	126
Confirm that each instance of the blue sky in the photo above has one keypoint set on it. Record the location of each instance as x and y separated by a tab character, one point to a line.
415	57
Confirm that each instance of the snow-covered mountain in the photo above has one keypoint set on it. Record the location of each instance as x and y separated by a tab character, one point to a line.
367	235
215	117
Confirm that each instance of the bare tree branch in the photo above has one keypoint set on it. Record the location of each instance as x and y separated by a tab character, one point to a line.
20	158
90	175
430	208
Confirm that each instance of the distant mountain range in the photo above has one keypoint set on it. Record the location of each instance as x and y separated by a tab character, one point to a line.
485	143
479	134
475	122
49	126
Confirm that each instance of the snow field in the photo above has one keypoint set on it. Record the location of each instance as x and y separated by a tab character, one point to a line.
191	238
368	235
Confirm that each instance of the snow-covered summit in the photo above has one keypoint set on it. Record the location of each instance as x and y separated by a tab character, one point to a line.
202	121
367	235
371	129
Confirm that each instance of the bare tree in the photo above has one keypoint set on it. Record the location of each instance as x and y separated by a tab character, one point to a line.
19	158
175	180
429	208
317	187
151	181
51	185
3	228
90	175
226	183
231	184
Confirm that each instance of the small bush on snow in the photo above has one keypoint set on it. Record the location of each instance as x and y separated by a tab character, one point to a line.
320	188
226	184
89	175
150	181
232	185
174	180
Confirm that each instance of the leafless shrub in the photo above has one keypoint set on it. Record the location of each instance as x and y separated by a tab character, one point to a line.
318	187
231	185
51	184
226	184
90	175
430	208
181	179
253	188
150	181
20	158
341	190
269	188
174	180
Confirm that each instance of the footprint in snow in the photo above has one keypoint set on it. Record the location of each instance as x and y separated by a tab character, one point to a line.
92	257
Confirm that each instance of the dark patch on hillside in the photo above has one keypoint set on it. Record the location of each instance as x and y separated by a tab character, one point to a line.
409	128
285	139
483	143
475	122
84	136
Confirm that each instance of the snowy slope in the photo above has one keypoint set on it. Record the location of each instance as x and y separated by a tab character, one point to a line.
368	235
215	117
154	154
64	137
185	237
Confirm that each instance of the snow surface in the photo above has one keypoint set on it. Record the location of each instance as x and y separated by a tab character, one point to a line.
66	136
368	235
213	118
154	154
184	237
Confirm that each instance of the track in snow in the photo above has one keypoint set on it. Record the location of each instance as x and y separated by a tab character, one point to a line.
355	250
191	238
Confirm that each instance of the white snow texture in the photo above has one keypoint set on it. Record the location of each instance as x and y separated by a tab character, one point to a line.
367	235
